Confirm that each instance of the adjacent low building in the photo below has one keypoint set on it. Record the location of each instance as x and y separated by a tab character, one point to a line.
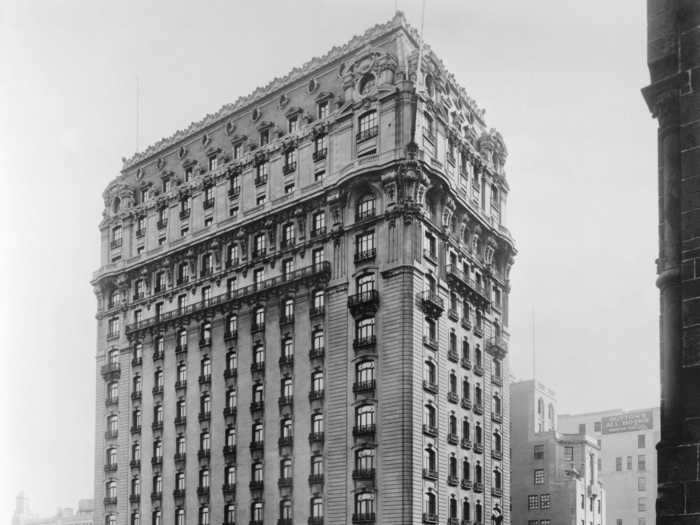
65	516
627	441
555	476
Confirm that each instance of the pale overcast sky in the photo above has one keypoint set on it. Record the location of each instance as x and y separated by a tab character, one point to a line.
560	79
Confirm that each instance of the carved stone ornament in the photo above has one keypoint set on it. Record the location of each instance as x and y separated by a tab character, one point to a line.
139	174
312	85
182	152
284	100
160	164
230	128
257	113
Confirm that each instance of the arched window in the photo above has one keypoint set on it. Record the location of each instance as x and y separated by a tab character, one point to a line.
230	475
496	405
477	395
364	329
317	507
466	390
429	415
430	504
113	392
205	441
259	318
497	442
182	372
317	340
497	478
286	428
156	517
258	432
286	468
204	478
179	516
231	398
429	461
317	381
159	344
138	352
365	284
430	376
452	467
231	361
256	511
364	373
111	456
317	424
112	424
259	354
135	486
180	444
466	470
478	433
364	459
135	452
286	512
466	434
466	510
478	356
453	382
181	408
258	393
540	406
453	508
364	504
158	378
550	410
230	436
181	340
479	512
205	367
478	473
232	326
287	347
287	389
205	334
258	472
452	424
113	357
111	489
364	416
365	207
204	515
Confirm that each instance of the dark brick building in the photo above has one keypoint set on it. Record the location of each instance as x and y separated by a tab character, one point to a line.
674	99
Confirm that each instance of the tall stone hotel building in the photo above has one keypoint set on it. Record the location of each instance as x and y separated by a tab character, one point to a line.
673	96
302	306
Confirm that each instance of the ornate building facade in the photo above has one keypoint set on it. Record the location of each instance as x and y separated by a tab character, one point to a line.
303	305
673	97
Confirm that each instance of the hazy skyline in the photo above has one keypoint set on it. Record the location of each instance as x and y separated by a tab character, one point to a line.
560	80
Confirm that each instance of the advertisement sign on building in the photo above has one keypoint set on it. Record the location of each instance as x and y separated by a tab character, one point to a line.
630	422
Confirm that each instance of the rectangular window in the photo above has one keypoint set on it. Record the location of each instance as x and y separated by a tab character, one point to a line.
260	200
568	453
545	501
208	221
323	109
293	125
641	441
264	137
533	502
641	463
596	426
318	175
213	163
188	174
642	504
618	464
364	242
629	462
233	212
237	151
289	188
539	452
582	428
642	484
539	476
317	256
367	126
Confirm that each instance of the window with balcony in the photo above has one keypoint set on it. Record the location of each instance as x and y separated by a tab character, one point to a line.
181	409
231	436
205	333
205	441
430	505
317	340
135	518
364	331
290	161
317	507
231	361
430	416
364	416
430	374
112	424
320	147
287	267
319	300
205	405
317	465
258	433
156	517
364	246
205	367
136	418
317	381
180	444
364	372
179	516
203	515
179	480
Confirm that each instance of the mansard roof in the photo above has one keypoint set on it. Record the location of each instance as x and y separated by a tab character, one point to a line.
354	44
